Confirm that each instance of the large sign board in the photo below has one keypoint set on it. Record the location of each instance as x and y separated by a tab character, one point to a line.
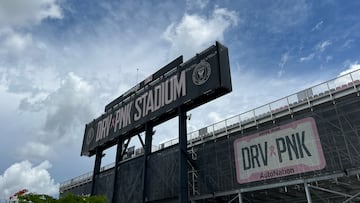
157	99
282	151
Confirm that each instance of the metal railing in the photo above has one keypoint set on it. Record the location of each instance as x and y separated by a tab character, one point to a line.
348	83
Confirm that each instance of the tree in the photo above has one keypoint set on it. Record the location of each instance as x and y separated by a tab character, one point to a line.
69	198
36	198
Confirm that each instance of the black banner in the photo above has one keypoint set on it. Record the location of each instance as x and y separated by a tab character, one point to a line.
156	99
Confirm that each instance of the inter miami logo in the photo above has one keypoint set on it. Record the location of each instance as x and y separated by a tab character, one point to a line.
201	73
90	136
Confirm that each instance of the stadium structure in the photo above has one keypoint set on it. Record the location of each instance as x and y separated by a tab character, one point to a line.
301	148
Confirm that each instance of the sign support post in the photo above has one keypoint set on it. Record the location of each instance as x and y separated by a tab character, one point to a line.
97	166
147	151
183	167
118	158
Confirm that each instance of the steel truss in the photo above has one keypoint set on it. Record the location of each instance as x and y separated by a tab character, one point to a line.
338	187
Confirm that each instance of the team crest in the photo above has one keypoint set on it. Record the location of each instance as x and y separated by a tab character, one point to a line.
201	73
90	136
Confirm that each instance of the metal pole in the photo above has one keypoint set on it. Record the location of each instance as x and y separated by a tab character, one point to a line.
307	191
240	197
183	167
118	158
96	171
147	151
351	198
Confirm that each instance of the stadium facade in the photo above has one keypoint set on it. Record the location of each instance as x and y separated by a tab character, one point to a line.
301	148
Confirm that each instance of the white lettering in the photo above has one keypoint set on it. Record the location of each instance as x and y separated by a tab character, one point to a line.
164	93
137	115
179	86
157	98
150	103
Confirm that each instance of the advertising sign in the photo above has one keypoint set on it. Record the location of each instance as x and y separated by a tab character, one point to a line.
156	99
282	151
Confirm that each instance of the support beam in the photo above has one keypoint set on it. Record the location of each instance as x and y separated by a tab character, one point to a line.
307	191
183	166
147	152
330	191
351	198
240	198
141	141
118	158
97	165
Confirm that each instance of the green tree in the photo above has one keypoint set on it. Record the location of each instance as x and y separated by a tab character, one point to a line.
69	198
36	198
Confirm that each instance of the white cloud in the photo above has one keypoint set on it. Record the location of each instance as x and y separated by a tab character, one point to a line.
283	61
36	151
319	48
317	26
14	13
328	58
17	44
307	58
322	45
353	67
24	175
14	42
65	109
195	32
68	105
348	43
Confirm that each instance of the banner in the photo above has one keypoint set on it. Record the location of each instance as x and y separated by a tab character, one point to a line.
282	151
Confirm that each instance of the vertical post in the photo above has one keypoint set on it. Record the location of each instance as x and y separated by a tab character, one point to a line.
307	191
183	167
240	197
96	171
147	151
117	161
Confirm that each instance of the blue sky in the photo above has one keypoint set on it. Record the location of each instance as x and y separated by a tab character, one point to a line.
62	61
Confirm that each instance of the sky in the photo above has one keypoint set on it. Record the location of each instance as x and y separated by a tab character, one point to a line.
62	61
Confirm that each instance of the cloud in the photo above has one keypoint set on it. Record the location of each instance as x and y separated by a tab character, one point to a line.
19	13
13	42
70	103
65	109
36	151
23	175
353	67
195	32
283	61
320	47
348	43
17	17
317	26
307	58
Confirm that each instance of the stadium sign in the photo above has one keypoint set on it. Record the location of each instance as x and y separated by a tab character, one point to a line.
157	99
285	150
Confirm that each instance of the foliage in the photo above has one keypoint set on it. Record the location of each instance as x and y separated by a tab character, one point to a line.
69	198
35	198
